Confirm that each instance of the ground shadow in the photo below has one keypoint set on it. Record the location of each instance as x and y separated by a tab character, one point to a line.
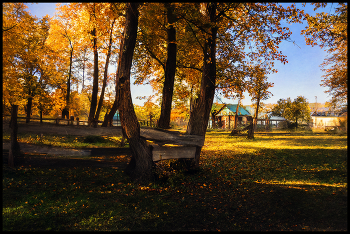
109	157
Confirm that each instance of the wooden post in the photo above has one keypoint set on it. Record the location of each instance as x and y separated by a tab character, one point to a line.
77	121
14	148
72	120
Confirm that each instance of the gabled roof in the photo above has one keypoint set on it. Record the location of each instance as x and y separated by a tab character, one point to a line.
229	109
241	109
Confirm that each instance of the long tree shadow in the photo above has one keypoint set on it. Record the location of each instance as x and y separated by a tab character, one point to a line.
114	157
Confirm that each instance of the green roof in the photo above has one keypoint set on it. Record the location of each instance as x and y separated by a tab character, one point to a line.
229	109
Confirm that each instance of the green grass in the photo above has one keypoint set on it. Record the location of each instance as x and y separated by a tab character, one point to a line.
271	183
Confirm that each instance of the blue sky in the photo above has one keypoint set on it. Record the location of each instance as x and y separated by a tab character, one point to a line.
302	74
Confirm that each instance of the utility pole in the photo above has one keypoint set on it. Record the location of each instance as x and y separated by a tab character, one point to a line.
316	105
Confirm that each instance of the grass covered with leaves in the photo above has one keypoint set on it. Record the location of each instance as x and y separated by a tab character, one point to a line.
271	183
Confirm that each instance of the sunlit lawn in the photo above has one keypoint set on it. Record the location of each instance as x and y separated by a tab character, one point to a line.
279	182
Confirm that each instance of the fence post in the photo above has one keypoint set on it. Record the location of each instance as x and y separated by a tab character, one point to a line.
77	121
14	148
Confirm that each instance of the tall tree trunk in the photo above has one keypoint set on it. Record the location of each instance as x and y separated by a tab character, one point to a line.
29	108
236	115
14	148
105	74
199	117
255	122
65	111
82	88
168	88
109	117
141	163
95	82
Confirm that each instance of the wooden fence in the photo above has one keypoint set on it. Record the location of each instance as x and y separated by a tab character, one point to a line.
57	121
76	121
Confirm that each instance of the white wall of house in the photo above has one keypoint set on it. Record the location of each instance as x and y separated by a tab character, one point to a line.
325	121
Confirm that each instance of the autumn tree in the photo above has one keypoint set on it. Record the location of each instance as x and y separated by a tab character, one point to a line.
30	64
163	58
105	74
297	111
258	89
170	67
329	31
140	165
64	37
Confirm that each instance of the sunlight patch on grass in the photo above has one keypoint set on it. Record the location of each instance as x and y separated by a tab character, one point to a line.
291	182
222	141
7	210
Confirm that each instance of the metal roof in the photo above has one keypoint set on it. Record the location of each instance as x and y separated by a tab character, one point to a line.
229	109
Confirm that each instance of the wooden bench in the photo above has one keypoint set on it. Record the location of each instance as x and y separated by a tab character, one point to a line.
171	144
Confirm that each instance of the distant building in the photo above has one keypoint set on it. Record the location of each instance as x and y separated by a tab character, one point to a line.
116	119
224	115
329	120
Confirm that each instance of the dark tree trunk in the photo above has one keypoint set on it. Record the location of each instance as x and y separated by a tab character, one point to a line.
267	121
41	116
109	117
14	148
29	108
250	128
255	122
95	82
141	163
65	111
236	115
199	117
105	74
168	88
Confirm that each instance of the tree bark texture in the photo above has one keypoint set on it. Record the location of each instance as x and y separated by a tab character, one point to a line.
66	112
170	67
141	163
255	122
199	117
29	109
250	128
105	74
95	82
236	115
109	117
14	148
